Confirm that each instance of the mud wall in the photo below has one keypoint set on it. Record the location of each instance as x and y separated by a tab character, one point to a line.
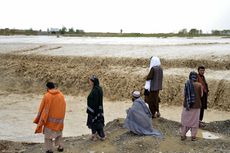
118	77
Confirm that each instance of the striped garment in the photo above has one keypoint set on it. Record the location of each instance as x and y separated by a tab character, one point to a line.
189	93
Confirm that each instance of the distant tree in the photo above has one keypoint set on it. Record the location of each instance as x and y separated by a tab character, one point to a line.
216	32
193	32
63	30
220	32
226	32
31	30
183	32
71	30
79	31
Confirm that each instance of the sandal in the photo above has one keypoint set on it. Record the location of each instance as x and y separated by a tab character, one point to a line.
193	138
93	137
201	124
158	114
102	139
60	149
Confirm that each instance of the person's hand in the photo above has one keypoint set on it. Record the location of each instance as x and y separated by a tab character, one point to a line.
146	92
39	129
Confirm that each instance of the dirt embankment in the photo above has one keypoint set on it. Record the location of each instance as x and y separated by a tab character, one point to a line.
118	76
121	140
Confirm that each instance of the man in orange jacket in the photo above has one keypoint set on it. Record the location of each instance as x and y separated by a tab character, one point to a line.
50	118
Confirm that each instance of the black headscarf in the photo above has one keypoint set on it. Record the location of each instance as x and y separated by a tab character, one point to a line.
95	98
95	105
95	81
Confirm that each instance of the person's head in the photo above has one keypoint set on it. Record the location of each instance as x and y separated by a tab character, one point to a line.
93	81
201	70
193	76
135	95
50	85
154	61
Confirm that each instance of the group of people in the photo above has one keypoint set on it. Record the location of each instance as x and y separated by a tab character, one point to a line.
51	114
195	102
138	119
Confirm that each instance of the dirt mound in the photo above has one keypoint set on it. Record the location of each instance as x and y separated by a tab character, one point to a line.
118	76
121	140
219	127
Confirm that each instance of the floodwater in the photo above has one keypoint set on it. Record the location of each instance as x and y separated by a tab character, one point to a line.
172	47
19	110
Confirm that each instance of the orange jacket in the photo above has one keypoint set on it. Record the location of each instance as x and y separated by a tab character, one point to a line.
51	113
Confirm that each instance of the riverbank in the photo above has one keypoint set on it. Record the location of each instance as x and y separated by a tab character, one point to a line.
120	140
21	109
118	76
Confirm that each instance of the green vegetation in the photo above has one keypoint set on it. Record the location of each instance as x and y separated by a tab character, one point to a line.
80	33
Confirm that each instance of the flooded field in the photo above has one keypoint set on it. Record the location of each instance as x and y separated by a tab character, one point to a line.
121	64
214	48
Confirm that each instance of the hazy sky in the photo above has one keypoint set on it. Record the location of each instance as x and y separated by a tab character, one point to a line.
143	16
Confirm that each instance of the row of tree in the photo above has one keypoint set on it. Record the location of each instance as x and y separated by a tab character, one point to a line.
77	32
64	30
30	31
197	32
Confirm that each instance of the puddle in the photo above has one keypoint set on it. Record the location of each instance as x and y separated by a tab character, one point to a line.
205	134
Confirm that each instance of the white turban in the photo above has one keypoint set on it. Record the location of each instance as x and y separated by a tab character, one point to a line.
136	94
155	61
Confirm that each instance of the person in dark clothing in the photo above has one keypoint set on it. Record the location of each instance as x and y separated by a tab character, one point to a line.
204	98
95	120
153	85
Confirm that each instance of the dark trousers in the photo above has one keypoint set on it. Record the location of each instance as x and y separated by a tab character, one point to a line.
204	102
201	113
100	132
153	101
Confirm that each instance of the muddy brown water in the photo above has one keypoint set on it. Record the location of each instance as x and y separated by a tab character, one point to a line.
19	110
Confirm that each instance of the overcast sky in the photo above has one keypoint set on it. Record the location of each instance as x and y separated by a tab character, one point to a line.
143	16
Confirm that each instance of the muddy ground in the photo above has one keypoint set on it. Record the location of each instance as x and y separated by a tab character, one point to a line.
21	109
24	73
121	140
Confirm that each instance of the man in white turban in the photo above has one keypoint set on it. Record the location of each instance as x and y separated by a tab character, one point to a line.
139	118
153	85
